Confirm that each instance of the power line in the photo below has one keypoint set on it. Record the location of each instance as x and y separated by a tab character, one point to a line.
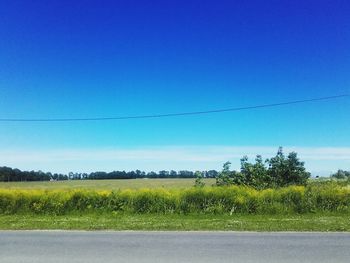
174	114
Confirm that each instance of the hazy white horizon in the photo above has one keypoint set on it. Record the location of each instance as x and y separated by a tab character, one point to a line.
318	160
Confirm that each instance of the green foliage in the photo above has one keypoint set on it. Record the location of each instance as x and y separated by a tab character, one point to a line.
199	182
341	174
255	175
281	171
225	177
287	171
325	197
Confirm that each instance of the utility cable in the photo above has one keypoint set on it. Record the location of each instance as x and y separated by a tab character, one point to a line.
173	114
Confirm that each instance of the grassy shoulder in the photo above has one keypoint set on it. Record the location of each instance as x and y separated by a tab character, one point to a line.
194	222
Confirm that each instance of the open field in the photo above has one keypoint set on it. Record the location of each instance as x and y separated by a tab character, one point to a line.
123	221
172	205
206	200
105	184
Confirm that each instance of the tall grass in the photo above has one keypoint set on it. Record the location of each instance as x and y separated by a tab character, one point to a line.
215	200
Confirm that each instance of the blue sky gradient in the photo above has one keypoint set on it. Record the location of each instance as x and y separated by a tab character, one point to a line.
75	59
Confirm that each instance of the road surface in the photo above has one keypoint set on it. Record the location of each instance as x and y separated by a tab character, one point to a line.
86	247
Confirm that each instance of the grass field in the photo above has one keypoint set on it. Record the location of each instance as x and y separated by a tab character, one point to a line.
105	184
30	205
306	222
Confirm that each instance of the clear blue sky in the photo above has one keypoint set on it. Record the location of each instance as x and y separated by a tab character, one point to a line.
112	58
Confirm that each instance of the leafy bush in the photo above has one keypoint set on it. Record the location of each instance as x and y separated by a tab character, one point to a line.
281	171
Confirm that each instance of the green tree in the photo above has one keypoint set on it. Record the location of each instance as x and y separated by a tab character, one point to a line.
288	170
281	171
223	177
340	174
199	182
256	174
226	176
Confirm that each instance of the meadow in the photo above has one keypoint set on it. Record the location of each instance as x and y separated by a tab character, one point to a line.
105	184
201	200
173	204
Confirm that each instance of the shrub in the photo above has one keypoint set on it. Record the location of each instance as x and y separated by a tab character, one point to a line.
281	171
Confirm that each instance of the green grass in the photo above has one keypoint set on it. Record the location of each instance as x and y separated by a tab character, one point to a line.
105	184
206	200
179	206
305	222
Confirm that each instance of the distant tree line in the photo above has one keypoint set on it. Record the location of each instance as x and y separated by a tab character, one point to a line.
277	171
141	174
341	174
8	174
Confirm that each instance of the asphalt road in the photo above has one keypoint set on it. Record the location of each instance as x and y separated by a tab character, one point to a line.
75	246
